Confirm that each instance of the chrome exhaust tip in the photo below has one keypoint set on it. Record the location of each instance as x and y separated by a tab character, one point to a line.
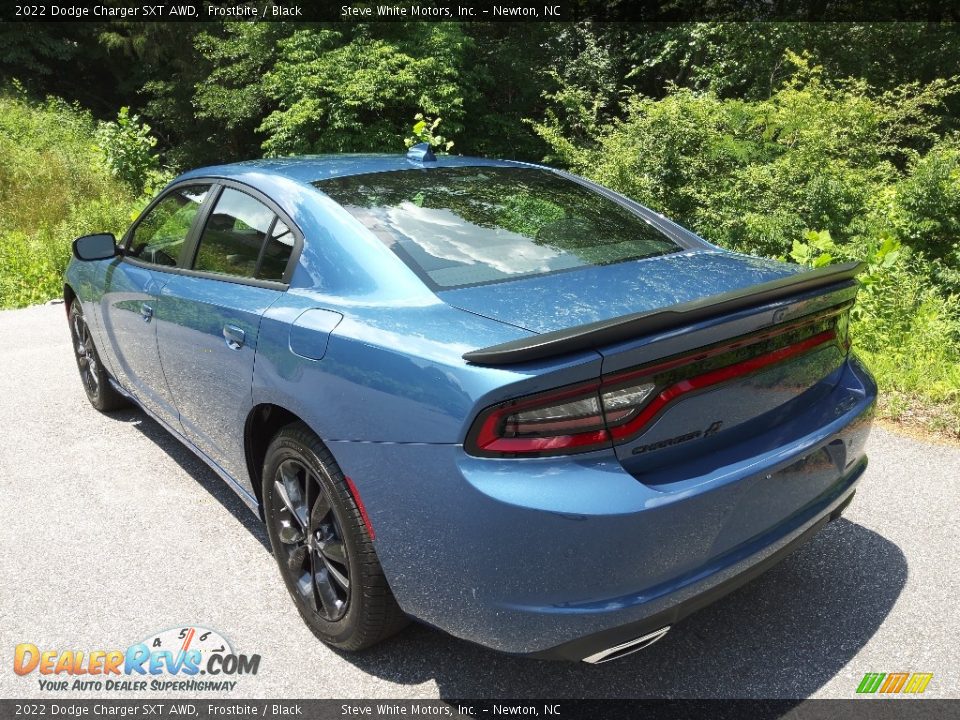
628	648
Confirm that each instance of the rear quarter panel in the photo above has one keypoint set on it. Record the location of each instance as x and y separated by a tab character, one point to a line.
395	374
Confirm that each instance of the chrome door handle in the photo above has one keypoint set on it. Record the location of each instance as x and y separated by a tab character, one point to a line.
234	336
146	311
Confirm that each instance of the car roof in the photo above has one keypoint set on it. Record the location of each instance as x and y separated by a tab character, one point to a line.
311	168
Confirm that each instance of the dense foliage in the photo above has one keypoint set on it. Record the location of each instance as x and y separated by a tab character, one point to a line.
55	184
811	142
821	170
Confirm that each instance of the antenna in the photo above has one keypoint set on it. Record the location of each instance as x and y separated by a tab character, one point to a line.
421	153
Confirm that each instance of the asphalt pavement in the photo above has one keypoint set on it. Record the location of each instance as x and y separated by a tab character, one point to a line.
111	530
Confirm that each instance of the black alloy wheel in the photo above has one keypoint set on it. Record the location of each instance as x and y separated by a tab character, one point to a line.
312	546
93	375
322	544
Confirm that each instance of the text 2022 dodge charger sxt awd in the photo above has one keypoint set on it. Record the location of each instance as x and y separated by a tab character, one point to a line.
487	395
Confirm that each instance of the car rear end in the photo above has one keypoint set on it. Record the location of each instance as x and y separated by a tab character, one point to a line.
699	456
616	471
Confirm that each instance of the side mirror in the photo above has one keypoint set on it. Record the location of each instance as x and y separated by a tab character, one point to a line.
95	247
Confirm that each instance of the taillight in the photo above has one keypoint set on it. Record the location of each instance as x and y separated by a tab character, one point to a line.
574	419
622	405
843	330
551	423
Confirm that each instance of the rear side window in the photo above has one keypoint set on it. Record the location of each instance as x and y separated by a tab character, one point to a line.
244	238
277	252
476	225
160	234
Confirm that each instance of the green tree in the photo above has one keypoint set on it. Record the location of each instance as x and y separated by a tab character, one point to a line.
340	92
233	96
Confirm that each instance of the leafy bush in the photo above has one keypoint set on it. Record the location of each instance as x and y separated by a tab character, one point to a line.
907	328
55	185
753	175
929	201
127	147
423	131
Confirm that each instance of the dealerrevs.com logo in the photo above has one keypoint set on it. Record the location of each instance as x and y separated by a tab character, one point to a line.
189	658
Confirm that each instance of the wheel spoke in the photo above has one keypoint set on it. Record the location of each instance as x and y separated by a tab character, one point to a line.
340	577
310	588
333	550
78	330
290	471
305	586
311	491
326	594
290	489
321	509
92	362
281	489
295	561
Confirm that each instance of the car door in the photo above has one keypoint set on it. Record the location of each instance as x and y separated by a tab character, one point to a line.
209	318
153	252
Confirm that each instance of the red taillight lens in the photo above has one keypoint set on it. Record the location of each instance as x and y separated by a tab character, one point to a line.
551	423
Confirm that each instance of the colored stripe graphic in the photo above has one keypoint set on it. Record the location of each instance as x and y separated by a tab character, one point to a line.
870	682
187	640
918	682
894	682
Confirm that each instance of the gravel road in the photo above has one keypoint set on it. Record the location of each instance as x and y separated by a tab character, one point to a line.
111	530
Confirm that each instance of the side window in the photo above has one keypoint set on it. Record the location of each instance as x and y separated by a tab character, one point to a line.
234	235
159	236
276	253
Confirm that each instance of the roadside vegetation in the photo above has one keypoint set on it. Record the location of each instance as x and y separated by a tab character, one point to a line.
812	143
61	175
820	171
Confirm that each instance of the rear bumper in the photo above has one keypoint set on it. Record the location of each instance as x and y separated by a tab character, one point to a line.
595	644
565	557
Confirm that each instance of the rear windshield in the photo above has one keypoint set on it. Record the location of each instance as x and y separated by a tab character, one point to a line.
477	225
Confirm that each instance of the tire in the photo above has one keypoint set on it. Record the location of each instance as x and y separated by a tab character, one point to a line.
93	376
321	544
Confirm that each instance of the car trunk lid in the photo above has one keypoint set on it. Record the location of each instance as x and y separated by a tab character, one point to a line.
573	298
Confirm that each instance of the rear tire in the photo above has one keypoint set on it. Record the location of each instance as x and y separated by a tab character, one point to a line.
322	546
93	376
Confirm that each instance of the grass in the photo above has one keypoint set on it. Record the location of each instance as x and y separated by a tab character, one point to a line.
907	331
918	396
54	187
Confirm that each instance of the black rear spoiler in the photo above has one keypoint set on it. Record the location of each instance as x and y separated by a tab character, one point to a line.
607	332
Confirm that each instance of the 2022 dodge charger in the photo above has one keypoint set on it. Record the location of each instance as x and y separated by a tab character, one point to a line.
488	395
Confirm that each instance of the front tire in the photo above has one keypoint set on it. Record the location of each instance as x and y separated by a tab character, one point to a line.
322	546
95	379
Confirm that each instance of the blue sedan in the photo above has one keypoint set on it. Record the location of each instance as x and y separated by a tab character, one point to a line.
488	395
